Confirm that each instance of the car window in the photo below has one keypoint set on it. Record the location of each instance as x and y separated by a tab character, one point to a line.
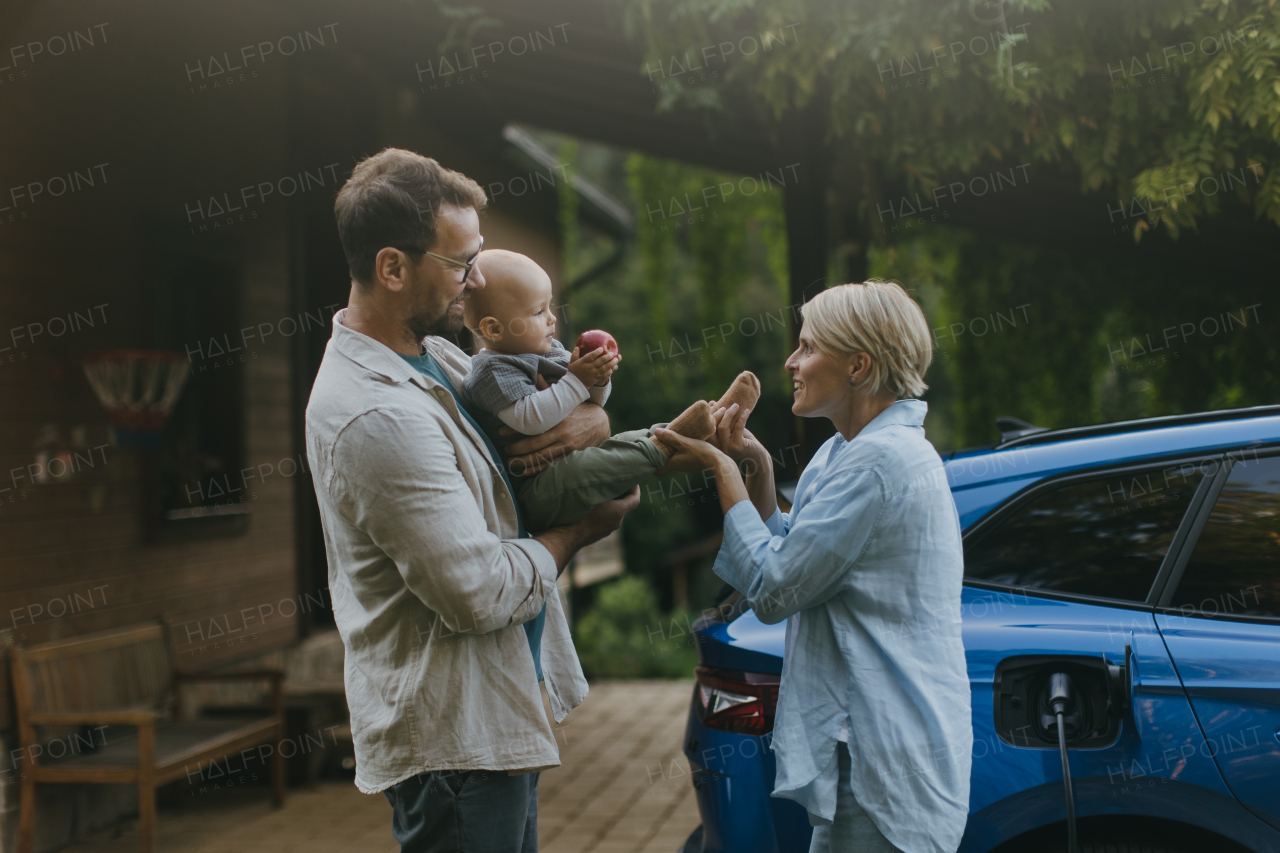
1103	537
1235	567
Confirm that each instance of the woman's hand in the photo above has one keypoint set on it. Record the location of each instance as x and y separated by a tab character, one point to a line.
734	438
691	454
694	455
744	448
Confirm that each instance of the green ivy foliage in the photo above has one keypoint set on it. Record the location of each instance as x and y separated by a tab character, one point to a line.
1170	107
1049	338
1147	100
723	236
701	297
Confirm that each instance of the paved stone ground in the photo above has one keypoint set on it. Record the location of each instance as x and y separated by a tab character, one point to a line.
623	787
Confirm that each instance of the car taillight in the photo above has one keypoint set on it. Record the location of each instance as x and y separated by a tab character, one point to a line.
731	700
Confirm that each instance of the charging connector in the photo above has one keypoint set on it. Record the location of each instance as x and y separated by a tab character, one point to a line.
1062	701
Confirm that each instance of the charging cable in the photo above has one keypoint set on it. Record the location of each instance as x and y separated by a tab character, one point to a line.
1060	700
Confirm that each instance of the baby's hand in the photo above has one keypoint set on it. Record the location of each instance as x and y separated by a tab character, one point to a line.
594	368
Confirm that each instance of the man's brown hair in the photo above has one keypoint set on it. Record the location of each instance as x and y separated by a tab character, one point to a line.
391	199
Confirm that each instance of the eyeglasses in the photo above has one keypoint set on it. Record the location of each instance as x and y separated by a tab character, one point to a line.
464	265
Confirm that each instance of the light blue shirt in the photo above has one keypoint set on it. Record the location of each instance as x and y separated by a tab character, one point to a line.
870	554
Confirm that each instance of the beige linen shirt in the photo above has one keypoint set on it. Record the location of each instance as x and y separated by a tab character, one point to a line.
430	584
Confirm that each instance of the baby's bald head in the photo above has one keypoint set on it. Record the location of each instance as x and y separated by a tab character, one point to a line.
515	289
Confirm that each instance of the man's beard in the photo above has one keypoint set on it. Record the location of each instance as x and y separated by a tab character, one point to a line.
422	325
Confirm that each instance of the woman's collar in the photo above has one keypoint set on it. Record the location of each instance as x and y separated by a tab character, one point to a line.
902	412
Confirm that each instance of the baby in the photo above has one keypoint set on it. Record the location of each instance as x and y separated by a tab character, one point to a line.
521	377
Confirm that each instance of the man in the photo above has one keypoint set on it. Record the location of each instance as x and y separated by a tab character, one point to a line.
449	617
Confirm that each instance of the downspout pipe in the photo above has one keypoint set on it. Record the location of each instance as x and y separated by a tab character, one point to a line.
597	207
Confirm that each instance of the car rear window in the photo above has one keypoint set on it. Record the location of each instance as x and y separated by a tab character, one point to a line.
1104	536
1235	567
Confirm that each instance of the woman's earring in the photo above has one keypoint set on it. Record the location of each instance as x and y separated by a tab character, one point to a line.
852	381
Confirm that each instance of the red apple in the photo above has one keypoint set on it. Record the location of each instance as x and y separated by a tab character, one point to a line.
594	339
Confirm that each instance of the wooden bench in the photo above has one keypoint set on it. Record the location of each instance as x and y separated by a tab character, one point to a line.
124	679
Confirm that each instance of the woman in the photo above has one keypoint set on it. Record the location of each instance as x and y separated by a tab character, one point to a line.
873	733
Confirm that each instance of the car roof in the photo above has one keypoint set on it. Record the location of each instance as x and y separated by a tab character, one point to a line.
984	478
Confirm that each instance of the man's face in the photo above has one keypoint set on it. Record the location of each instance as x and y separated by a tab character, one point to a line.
435	289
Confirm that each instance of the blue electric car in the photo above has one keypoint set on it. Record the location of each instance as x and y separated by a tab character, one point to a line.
1142	559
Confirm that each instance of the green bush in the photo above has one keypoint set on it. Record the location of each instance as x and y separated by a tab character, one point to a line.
625	635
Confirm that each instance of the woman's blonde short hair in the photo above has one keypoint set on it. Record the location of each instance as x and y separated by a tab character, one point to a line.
880	319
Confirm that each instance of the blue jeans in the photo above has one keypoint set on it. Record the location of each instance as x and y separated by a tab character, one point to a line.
465	811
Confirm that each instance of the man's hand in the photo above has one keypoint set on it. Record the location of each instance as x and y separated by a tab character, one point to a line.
564	542
586	426
595	367
607	517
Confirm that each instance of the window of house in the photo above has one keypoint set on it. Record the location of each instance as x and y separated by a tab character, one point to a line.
198	469
1103	537
1235	567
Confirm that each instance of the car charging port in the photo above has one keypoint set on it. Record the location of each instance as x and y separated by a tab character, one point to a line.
1053	702
1024	716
